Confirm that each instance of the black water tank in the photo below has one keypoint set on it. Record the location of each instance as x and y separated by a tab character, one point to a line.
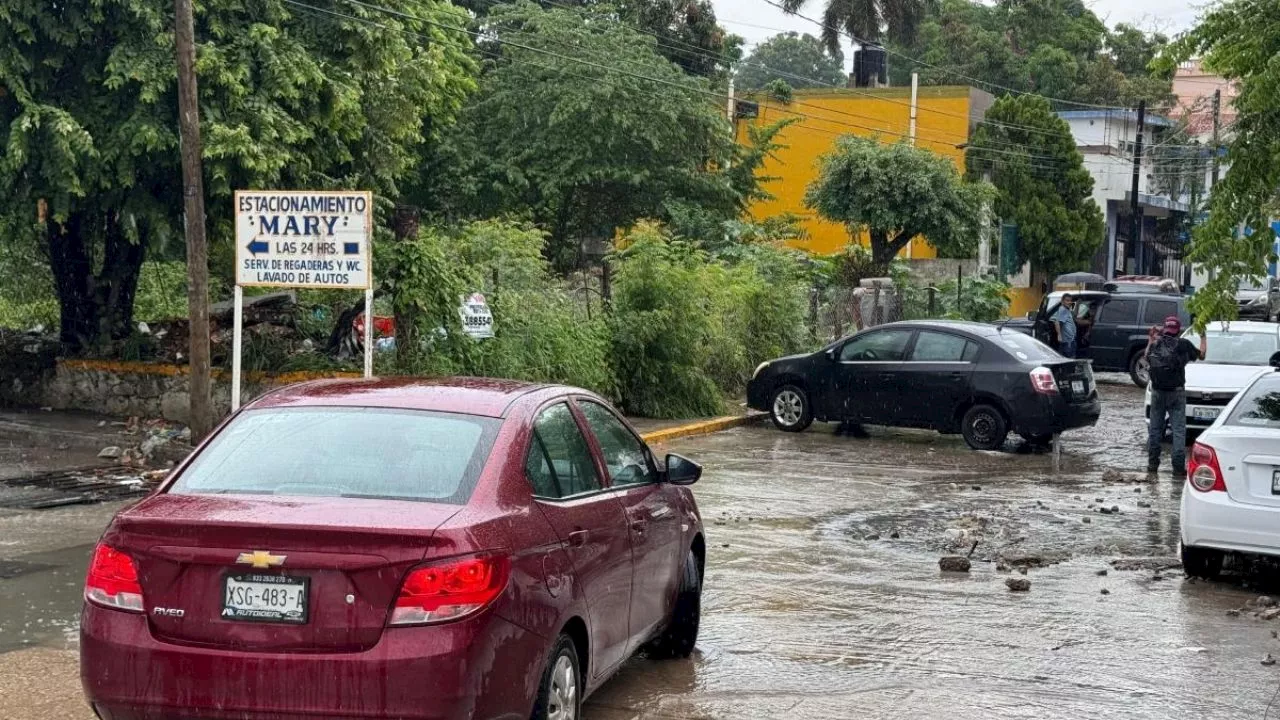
870	67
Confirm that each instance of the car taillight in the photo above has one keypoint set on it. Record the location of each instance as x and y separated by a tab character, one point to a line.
1043	381
1203	471
449	590
112	580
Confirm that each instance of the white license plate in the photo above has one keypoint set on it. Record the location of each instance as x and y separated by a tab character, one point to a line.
1077	387
1205	413
265	598
1275	482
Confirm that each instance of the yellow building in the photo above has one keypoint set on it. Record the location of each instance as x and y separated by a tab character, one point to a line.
945	117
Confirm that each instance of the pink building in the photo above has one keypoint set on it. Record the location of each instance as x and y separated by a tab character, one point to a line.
1193	86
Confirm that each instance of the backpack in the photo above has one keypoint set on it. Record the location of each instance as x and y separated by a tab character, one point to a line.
1164	363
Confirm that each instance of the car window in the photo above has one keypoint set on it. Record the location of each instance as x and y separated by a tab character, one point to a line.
624	454
1119	311
1158	310
1025	347
878	346
565	468
1237	348
344	452
942	347
1260	406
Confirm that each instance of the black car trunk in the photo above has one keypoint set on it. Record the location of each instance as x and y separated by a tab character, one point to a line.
1075	380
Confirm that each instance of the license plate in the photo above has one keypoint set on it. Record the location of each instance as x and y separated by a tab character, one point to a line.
1205	413
1077	387
1275	482
265	598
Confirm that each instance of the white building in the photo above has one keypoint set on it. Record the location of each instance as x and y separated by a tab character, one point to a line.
1107	138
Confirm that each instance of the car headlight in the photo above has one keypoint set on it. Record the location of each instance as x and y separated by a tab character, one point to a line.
1260	300
759	367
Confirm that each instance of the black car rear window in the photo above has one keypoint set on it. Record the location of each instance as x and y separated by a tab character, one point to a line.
1120	312
1158	310
1024	347
1260	406
344	452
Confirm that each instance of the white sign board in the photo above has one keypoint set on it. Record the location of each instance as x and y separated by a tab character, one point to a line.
477	321
304	239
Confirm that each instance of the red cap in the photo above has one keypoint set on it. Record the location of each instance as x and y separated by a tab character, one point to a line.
1172	325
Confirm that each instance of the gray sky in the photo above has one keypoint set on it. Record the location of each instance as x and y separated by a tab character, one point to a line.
757	20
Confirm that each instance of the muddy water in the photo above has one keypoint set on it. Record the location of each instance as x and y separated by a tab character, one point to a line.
814	610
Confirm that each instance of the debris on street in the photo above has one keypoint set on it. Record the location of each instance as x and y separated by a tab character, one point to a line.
1018	584
954	563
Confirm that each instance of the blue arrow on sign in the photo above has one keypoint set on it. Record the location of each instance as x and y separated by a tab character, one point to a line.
351	248
257	246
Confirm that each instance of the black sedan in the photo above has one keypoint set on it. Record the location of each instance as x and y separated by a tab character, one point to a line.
974	379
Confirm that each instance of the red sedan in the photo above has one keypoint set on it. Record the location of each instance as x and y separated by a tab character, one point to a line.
395	548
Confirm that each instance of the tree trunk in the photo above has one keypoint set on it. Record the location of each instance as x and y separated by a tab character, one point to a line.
884	249
116	286
96	309
72	277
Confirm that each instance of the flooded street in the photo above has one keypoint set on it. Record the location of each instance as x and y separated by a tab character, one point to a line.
823	596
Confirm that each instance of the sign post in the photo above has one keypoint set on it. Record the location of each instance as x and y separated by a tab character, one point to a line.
302	239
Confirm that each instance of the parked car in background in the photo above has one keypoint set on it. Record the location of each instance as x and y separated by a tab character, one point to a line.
1232	500
954	377
1112	326
1142	284
1237	351
1259	300
395	548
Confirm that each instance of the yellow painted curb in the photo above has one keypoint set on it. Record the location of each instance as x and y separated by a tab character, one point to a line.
703	427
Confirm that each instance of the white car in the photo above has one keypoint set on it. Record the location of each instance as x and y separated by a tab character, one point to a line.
1237	350
1231	502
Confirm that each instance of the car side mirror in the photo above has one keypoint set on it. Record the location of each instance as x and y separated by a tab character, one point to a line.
831	354
682	470
1275	360
1031	315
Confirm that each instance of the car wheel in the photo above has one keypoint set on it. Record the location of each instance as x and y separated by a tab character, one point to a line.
984	428
790	409
678	640
1139	372
1203	563
560	694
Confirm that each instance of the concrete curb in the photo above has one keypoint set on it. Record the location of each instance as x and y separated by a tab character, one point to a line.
703	427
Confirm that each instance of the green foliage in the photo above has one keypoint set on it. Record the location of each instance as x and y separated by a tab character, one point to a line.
162	291
688	328
27	297
1057	48
1239	39
290	99
780	91
582	149
1041	182
868	21
799	60
895	192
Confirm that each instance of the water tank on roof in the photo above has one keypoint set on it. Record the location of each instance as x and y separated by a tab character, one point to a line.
870	67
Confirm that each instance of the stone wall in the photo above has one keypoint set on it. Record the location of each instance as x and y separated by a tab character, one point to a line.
147	389
935	271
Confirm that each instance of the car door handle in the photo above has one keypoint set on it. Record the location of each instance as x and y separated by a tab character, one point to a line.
639	525
578	538
886	377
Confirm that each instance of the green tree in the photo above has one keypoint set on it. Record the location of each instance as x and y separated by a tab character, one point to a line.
1133	50
1240	40
894	193
868	21
290	99
801	61
1042	186
584	148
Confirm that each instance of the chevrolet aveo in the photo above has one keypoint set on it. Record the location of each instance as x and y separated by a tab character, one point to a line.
395	549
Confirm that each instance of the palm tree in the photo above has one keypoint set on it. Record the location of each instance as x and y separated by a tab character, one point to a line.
868	22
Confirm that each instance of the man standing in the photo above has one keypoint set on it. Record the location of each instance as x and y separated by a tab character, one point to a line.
1064	324
1167	358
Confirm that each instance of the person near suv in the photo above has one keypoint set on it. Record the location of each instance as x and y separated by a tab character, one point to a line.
1168	355
1064	322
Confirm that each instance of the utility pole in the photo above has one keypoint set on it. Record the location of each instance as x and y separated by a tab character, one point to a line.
911	131
1217	116
1135	219
201	408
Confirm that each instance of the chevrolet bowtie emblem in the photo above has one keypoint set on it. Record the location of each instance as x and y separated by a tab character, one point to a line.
260	559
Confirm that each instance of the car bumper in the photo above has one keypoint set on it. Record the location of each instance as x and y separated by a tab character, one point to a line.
1255	312
1194	422
758	391
477	667
1050	415
1214	520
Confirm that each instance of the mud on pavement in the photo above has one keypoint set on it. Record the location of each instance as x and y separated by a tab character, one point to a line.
824	598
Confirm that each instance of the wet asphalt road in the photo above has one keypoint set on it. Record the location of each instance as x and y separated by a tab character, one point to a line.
813	609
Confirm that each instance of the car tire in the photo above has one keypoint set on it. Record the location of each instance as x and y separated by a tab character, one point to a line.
561	688
1204	563
681	635
1138	371
790	410
984	427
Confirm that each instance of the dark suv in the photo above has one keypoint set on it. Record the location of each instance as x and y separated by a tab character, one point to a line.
1111	327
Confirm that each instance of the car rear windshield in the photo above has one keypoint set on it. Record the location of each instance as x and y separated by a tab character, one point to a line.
1025	347
1260	406
344	452
1237	348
